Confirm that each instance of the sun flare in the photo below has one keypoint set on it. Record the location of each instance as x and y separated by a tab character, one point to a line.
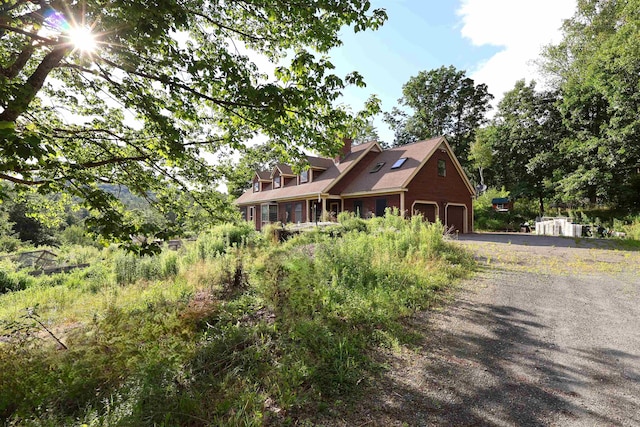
83	39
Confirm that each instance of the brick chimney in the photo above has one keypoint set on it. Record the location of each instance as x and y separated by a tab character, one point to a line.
346	149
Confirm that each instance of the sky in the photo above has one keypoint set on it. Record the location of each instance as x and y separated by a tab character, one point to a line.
494	41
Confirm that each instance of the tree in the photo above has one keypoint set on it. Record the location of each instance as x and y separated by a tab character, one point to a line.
596	67
527	130
440	102
481	150
240	174
366	133
161	84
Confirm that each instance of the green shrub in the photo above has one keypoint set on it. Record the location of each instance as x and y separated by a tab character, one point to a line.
77	235
632	229
9	244
12	282
216	241
271	231
351	222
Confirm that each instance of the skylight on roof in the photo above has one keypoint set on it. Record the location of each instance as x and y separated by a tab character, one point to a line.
377	167
399	163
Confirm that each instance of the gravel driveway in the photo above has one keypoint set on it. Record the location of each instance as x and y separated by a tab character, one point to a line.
547	333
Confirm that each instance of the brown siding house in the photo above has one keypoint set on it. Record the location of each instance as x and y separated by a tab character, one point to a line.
420	178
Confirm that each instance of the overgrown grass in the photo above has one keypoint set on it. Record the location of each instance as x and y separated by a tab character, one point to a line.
248	333
632	228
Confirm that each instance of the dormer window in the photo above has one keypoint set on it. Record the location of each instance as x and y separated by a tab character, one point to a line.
276	182
377	167
304	176
256	187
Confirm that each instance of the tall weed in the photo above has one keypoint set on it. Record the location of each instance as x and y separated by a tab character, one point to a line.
13	281
632	230
234	336
216	241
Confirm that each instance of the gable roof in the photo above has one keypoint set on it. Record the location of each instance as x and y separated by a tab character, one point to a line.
320	162
385	179
320	183
263	175
284	169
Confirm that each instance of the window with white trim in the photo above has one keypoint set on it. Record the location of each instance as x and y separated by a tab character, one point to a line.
269	213
442	168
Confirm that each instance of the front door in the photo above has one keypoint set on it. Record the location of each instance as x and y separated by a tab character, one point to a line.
288	210
315	211
334	208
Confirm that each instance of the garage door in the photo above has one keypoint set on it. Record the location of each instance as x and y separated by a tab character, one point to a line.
427	210
455	217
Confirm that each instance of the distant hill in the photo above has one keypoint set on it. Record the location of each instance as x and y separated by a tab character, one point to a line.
122	193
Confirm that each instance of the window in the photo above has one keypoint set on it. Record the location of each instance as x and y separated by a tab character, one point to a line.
399	163
377	167
304	176
256	187
298	213
273	213
442	168
276	182
269	213
251	213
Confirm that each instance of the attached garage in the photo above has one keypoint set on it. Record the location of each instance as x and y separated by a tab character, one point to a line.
455	217
428	210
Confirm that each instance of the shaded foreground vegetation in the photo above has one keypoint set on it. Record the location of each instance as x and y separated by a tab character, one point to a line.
235	329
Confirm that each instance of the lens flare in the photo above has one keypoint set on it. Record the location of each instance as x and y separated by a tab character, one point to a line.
82	39
56	21
80	36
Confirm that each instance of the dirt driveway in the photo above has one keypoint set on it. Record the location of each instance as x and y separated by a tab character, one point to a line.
547	333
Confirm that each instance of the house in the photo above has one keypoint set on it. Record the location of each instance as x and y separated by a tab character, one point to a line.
424	177
502	204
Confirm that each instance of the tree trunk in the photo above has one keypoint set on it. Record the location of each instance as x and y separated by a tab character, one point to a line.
25	94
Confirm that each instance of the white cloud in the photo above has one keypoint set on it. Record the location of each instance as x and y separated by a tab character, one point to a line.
521	28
